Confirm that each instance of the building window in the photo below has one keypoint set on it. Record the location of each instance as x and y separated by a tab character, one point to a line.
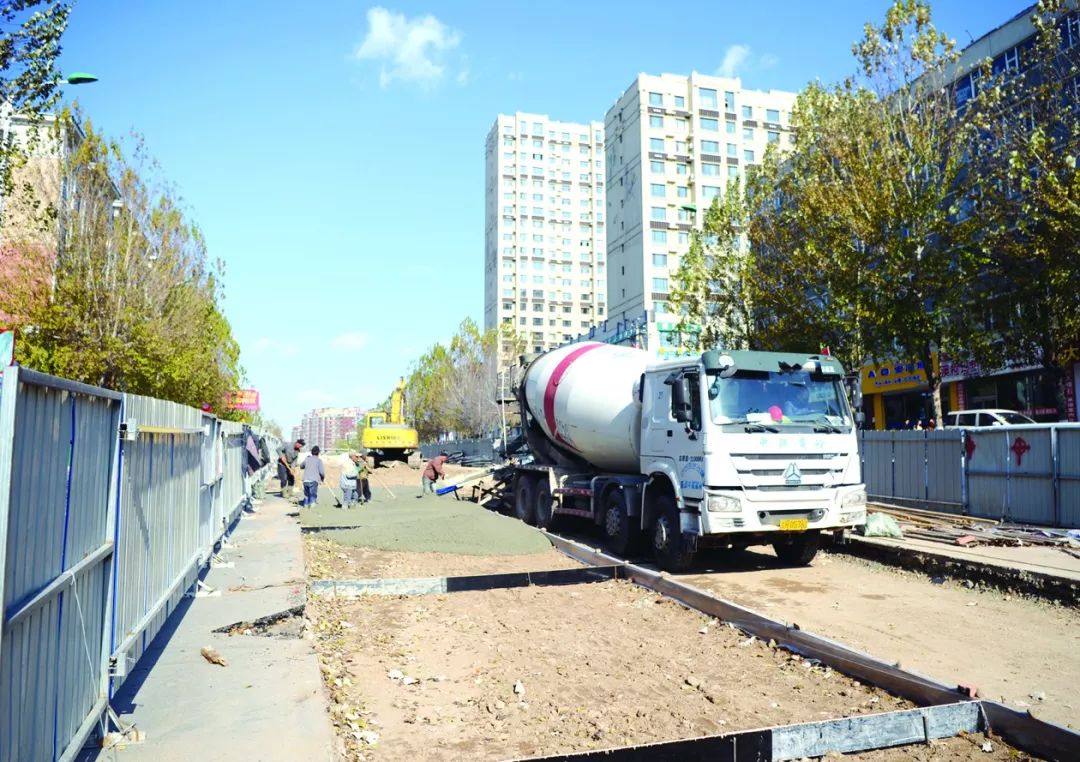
774	137
680	146
656	167
656	99
659	260
710	169
748	155
680	101
680	169
772	115
729	102
747	112
656	145
709	192
684	237
732	171
658	213
684	215
709	124
656	121
660	285
682	192
681	124
710	146
659	236
657	190
732	149
707	97
729	128
748	133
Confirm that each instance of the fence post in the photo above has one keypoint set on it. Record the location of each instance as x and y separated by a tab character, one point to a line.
965	509
1055	475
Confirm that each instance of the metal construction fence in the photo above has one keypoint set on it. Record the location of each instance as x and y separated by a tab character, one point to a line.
1026	474
469	448
110	506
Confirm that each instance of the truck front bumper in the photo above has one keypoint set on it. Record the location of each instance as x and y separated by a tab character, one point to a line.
733	511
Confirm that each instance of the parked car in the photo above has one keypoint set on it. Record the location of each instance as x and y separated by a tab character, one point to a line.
964	418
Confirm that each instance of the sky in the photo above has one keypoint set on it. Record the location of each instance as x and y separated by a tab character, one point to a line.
333	152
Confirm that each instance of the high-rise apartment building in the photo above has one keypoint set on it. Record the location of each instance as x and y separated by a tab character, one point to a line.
544	251
326	425
673	143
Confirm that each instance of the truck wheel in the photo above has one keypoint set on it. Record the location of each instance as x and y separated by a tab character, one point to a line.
544	511
668	545
524	500
622	536
798	550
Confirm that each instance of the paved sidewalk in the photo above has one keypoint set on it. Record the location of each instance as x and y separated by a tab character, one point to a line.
269	703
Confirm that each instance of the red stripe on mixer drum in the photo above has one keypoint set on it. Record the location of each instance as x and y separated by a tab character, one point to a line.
553	385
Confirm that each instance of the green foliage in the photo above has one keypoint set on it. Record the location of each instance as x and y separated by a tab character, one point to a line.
30	32
1028	131
711	286
896	225
454	388
135	304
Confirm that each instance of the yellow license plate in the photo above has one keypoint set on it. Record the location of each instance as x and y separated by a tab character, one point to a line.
793	525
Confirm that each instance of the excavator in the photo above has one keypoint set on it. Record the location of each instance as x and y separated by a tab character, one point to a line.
386	435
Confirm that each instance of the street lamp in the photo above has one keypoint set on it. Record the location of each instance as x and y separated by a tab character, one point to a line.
77	78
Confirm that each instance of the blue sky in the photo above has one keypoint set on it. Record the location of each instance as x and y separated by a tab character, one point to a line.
333	152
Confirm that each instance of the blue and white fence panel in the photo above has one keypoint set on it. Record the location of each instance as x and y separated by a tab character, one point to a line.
1026	474
110	507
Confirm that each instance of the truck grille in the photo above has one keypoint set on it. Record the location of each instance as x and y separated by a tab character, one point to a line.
770	472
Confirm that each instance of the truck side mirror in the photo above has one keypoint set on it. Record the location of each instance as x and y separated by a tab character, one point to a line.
860	418
680	404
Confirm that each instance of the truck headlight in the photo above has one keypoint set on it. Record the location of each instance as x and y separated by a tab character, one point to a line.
858	497
723	504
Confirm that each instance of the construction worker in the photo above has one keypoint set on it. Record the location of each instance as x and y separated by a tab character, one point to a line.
432	472
285	463
363	474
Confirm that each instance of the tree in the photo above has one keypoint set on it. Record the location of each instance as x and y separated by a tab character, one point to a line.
712	285
30	32
875	190
1028	143
133	303
455	388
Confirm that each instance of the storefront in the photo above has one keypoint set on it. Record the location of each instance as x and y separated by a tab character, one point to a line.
896	395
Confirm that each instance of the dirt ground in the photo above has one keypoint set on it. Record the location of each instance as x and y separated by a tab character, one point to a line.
330	560
1019	651
530	671
394	474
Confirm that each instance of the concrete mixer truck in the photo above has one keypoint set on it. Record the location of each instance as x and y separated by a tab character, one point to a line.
724	449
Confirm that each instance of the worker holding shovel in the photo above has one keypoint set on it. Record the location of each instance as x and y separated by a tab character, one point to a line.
363	474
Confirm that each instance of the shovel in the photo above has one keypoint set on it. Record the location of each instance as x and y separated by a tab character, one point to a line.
337	502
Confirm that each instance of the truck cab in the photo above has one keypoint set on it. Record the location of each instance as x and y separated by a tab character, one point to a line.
744	448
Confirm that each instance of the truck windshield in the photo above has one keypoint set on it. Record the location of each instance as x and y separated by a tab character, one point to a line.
772	400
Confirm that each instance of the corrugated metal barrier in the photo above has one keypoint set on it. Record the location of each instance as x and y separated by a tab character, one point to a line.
1026	474
110	505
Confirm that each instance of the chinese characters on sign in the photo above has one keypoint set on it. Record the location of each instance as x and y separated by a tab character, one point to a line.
243	399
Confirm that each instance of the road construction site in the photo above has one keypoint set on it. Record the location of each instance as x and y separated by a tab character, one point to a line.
495	660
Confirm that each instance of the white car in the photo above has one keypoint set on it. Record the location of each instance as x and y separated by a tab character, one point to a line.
965	418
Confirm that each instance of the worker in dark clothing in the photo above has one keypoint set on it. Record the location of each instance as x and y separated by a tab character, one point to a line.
432	472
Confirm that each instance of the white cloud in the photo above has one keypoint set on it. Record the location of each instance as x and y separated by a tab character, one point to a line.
409	50
734	59
350	341
739	59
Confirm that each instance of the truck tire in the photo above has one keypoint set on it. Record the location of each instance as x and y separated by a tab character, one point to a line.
668	546
798	550
524	499
544	510
622	536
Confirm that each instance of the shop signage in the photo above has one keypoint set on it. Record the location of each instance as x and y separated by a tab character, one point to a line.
243	399
893	377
